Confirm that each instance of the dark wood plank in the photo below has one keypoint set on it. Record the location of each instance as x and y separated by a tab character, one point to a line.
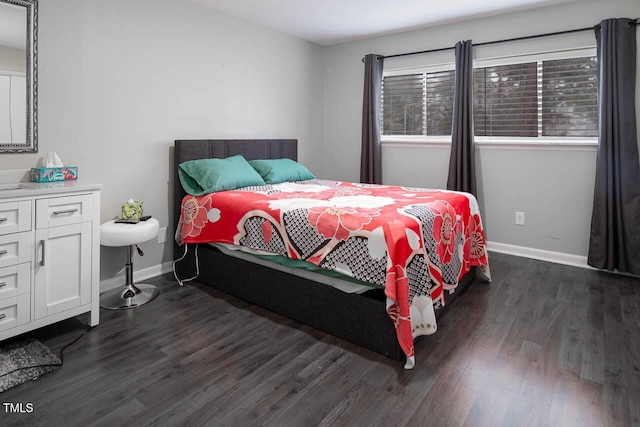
542	345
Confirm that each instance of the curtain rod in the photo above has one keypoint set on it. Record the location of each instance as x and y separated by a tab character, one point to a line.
557	33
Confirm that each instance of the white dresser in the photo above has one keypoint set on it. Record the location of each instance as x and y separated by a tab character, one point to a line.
49	254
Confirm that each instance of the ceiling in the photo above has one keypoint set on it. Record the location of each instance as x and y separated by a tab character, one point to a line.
328	22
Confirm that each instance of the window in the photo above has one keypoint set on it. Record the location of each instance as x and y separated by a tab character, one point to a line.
439	102
505	100
418	104
549	97
403	105
570	97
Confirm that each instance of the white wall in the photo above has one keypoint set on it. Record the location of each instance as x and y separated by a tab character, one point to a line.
553	187
120	80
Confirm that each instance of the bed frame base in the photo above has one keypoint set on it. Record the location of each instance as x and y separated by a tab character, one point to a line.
358	318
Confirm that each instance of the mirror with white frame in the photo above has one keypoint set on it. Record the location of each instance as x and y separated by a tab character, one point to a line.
18	76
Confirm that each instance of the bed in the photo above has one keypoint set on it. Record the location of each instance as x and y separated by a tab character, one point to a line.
377	317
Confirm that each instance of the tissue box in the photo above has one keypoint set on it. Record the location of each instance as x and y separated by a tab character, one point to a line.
132	210
65	173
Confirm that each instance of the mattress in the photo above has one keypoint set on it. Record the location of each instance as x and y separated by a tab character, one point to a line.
277	262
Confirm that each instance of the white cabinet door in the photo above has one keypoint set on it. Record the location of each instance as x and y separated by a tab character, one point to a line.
62	269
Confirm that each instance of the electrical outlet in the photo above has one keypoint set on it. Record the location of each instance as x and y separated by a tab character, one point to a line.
162	235
519	218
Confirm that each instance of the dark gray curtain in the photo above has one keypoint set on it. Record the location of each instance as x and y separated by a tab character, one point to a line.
615	224
462	164
371	157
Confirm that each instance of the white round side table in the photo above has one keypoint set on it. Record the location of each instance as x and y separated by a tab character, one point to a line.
129	235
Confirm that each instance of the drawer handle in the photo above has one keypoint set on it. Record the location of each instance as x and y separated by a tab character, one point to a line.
66	211
42	260
3	252
2	316
3	284
3	219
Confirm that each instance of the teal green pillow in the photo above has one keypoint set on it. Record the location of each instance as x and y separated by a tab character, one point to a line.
205	176
275	171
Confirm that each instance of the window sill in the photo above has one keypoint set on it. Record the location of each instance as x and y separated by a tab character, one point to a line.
417	141
581	144
578	144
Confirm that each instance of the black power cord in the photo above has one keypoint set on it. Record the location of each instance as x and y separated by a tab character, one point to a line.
61	357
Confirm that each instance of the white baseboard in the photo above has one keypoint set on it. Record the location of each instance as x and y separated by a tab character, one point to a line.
539	254
521	251
138	275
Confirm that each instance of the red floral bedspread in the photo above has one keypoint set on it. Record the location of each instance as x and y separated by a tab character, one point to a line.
414	242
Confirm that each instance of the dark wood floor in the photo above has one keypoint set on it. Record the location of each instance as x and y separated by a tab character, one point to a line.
543	344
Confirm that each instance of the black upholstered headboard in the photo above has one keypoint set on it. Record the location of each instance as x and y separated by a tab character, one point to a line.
251	149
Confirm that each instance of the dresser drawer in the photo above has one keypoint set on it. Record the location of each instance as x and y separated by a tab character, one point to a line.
15	217
15	280
16	248
14	311
56	211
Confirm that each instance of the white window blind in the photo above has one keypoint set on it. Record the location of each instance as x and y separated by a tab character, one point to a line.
505	100
439	98
534	99
569	97
403	99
